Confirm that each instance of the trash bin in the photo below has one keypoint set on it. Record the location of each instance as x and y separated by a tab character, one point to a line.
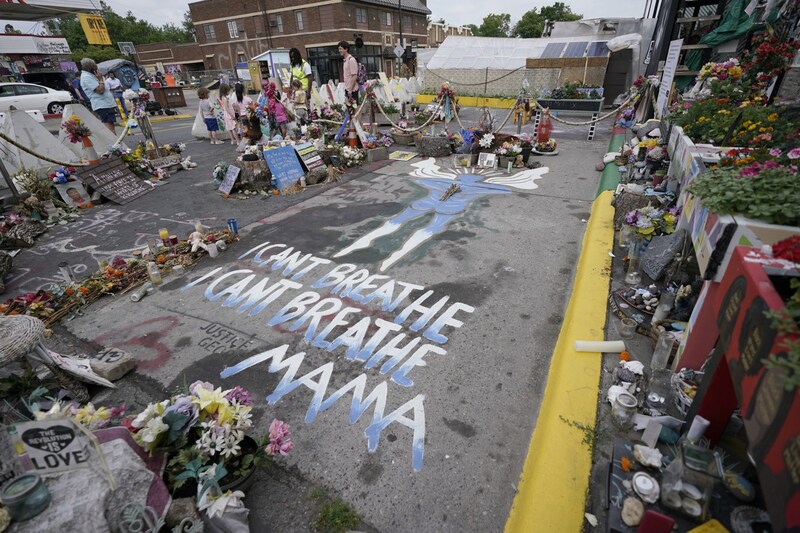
169	97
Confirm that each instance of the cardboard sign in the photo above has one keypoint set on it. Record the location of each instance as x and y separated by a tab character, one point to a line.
670	65
284	165
113	179
309	155
54	445
400	155
230	178
487	160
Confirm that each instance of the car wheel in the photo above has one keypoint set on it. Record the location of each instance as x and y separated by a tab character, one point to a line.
55	108
161	112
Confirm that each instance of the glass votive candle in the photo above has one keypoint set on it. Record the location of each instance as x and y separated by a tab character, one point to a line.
627	328
623	409
25	497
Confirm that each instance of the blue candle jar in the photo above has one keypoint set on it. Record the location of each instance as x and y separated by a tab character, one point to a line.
25	497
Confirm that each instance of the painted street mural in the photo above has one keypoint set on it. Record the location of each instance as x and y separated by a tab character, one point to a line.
449	195
394	329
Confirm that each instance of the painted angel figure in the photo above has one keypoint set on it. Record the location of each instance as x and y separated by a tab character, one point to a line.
445	204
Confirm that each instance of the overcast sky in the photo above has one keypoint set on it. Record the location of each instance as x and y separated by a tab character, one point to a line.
455	12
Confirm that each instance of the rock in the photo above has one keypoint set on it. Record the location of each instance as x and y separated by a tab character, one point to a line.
433	146
656	132
316	175
648	308
647	456
112	363
181	508
632	511
626	375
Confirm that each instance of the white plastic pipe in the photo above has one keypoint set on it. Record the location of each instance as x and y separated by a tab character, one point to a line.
600	346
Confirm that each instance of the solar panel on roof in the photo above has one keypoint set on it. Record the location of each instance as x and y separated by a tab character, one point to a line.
553	50
598	49
576	49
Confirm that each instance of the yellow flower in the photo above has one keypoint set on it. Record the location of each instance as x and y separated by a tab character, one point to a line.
746	123
723	112
669	218
772	117
224	414
751	127
210	400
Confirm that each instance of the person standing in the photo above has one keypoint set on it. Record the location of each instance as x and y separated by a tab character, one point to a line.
241	105
80	96
349	71
300	103
301	71
93	84
228	114
115	87
209	117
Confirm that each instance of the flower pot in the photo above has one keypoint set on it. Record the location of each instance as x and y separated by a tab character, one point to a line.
377	154
526	153
503	161
403	139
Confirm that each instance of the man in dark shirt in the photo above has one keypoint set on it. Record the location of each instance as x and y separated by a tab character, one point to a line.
77	89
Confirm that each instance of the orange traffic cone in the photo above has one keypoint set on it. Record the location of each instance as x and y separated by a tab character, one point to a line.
89	151
352	140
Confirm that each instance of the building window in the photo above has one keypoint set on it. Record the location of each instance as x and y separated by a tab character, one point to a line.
407	23
361	15
241	57
233	29
299	16
279	23
387	19
211	35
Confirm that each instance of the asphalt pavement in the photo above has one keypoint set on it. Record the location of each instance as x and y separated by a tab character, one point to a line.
406	339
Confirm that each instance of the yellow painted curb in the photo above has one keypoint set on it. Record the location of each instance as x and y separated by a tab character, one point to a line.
167	117
472	101
555	477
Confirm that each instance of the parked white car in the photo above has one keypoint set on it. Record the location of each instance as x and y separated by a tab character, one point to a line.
29	96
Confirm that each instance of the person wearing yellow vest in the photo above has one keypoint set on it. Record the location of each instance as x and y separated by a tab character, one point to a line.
301	71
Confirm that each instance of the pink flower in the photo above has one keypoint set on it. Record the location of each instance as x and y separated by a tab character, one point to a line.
775	152
280	438
794	153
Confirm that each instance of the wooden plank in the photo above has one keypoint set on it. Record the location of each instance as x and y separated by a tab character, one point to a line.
113	179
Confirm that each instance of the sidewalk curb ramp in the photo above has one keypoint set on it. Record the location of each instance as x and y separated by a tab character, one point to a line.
555	477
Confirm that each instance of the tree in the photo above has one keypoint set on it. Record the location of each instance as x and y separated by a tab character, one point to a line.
495	25
120	28
188	25
532	22
473	28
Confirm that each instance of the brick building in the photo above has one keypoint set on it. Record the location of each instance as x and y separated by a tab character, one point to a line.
180	59
234	32
438	32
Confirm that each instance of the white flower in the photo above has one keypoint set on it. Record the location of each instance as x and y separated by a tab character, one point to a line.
128	94
217	505
486	140
54	412
152	410
154	428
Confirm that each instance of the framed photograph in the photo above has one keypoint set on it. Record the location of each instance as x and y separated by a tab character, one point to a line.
486	160
73	193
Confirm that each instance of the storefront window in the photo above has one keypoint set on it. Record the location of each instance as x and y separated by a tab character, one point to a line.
328	63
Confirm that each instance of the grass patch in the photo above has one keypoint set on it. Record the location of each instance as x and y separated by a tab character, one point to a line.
336	517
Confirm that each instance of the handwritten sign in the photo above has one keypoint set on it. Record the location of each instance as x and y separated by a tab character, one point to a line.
114	180
309	155
230	178
670	65
54	445
284	165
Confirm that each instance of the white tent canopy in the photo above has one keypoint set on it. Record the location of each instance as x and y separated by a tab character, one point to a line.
503	53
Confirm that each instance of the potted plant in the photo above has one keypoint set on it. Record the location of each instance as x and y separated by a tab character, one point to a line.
401	136
376	147
526	146
390	115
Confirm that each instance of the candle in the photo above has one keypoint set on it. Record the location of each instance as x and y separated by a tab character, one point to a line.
173	240
164	234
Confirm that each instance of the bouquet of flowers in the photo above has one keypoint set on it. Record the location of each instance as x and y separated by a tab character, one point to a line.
446	90
220	169
144	95
205	425
525	141
548	146
381	141
314	131
61	175
650	221
508	149
174	148
728	70
76	129
351	157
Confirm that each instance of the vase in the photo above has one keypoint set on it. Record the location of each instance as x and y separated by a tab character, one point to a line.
503	161
526	153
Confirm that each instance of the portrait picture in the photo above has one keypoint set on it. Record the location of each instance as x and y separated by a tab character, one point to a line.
487	160
73	193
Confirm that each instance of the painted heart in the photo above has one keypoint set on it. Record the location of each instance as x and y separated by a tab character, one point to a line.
52	439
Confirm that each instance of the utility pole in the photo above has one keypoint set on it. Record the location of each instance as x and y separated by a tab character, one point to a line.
402	44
